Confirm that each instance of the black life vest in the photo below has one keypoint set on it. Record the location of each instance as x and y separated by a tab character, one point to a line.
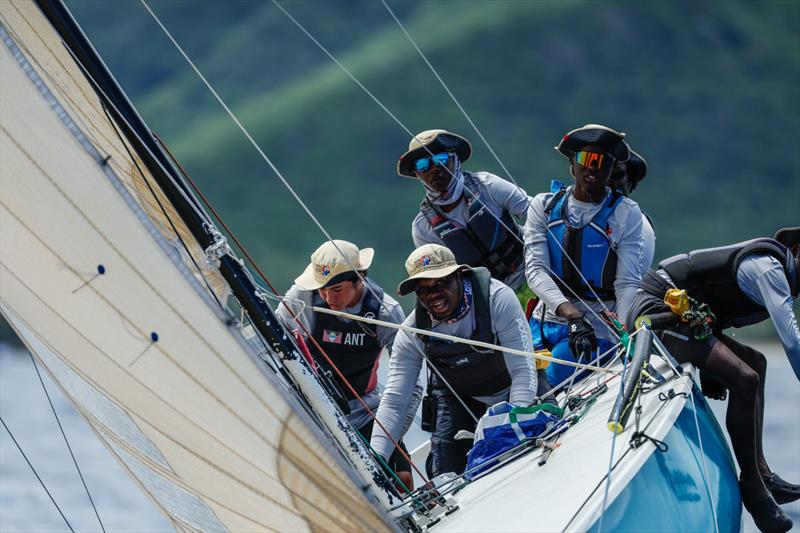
709	276
484	241
471	371
588	248
352	346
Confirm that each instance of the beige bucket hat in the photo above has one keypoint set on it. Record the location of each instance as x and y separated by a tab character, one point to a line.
429	261
330	261
432	142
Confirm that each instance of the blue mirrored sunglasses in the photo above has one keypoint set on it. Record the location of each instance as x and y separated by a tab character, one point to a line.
423	164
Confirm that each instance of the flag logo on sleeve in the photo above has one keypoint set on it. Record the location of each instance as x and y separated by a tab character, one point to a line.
332	336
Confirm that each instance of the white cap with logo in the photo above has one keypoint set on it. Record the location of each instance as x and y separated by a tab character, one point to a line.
330	261
429	261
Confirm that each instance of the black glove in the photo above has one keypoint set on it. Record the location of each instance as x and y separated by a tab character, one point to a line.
582	340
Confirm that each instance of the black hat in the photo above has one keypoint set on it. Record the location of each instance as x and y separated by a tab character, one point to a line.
788	236
432	142
594	135
635	167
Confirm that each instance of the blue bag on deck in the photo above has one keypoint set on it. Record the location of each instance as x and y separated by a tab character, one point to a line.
504	426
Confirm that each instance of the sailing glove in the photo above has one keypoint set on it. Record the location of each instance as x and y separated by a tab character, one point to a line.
582	340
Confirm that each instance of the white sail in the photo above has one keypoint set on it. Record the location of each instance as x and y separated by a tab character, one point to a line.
175	394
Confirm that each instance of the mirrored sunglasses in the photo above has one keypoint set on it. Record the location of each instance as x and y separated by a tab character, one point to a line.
423	164
603	162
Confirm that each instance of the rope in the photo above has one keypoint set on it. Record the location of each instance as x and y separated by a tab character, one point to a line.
36	474
451	338
66	441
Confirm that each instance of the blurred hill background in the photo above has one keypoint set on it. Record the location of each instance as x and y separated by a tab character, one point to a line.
707	92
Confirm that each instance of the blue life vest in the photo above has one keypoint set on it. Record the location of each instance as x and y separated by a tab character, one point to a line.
589	248
484	240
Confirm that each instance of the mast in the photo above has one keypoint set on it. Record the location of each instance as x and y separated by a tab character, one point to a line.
232	269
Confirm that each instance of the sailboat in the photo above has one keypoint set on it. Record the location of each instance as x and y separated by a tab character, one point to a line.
117	279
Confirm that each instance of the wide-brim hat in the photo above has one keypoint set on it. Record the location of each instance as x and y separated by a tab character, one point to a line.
333	262
611	141
635	167
788	236
432	142
429	261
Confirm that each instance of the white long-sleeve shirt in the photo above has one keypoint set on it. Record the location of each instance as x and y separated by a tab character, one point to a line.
763	279
625	225
511	330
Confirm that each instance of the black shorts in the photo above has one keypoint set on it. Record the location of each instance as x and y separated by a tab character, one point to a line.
678	339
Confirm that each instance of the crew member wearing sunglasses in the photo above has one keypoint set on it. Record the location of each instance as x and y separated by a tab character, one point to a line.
476	214
465	302
582	251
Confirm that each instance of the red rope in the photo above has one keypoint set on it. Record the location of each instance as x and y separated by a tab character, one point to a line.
296	319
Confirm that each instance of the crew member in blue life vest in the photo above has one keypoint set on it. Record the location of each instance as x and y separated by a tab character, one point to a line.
463	302
624	178
582	251
735	286
336	279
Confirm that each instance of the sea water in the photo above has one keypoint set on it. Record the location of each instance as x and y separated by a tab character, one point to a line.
25	506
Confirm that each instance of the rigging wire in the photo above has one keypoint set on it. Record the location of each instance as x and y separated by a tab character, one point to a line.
409	132
269	162
66	441
36	474
475	127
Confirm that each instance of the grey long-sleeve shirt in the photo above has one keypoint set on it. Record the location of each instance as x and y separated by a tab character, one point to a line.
511	330
763	279
625	224
497	195
390	312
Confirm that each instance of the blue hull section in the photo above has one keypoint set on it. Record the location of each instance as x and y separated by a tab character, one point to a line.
669	494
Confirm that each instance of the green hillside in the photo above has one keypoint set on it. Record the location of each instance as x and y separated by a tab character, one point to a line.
707	92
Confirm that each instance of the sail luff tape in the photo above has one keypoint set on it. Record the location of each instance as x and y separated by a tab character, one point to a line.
540	354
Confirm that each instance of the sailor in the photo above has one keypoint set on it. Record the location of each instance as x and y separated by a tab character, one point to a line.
336	279
582	250
624	178
735	286
464	302
476	214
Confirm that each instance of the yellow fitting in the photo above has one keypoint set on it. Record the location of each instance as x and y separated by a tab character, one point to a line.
678	301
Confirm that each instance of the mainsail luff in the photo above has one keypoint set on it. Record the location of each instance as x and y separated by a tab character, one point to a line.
227	437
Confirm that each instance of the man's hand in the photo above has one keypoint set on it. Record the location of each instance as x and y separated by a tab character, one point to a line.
582	340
